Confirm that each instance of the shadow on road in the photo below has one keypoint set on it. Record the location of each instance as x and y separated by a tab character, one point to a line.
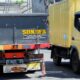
13	76
62	71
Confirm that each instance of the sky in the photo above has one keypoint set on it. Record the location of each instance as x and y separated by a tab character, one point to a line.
11	0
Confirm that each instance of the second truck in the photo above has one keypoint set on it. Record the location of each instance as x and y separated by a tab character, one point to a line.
20	35
64	30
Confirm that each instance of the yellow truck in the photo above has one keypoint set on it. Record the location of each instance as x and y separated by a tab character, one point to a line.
64	31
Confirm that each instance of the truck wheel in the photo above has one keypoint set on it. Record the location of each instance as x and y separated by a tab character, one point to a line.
1	70
56	58
75	61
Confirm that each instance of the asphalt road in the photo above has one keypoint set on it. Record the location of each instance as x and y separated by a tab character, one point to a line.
62	72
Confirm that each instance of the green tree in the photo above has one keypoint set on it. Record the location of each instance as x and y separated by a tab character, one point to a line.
19	1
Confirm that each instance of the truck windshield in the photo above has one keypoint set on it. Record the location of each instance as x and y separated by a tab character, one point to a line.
77	22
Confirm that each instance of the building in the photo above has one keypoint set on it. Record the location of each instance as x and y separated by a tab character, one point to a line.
15	6
23	6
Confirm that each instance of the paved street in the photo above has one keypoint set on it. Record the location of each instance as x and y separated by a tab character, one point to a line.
62	72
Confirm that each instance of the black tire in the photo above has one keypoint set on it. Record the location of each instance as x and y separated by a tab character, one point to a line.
56	58
75	62
1	70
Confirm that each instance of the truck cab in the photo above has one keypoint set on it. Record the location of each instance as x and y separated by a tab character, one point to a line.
64	31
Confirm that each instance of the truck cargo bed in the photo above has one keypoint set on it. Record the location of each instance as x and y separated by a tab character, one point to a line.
60	23
23	29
